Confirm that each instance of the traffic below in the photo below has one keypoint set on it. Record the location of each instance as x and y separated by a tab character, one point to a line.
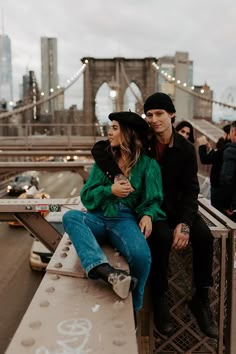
18	282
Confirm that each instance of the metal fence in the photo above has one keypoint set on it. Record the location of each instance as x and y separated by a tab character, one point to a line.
187	337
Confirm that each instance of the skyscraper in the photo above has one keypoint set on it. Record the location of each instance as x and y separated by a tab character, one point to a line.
181	67
49	73
6	91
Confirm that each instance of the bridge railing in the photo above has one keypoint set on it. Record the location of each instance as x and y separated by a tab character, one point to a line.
77	135
49	136
230	291
51	129
187	337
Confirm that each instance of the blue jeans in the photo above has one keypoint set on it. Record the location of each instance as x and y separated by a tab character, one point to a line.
87	230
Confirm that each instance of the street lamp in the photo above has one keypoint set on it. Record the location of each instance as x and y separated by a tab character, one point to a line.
114	92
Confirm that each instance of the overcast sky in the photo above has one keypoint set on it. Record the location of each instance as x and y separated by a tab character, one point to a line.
129	28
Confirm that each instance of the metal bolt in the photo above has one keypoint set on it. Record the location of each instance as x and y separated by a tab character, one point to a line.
44	303
28	342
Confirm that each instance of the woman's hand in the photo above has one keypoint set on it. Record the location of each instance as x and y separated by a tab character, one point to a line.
121	189
145	225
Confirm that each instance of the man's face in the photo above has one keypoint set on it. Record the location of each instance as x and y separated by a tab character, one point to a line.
233	134
159	120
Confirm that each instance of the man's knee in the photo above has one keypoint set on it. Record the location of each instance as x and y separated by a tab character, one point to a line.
200	231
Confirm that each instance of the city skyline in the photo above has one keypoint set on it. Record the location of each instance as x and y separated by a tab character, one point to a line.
137	30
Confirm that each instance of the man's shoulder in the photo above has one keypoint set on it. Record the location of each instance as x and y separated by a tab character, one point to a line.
99	147
102	143
230	150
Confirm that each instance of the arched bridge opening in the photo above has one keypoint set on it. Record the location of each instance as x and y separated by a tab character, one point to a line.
116	73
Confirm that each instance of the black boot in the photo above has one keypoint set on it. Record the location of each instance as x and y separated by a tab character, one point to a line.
120	281
161	316
201	310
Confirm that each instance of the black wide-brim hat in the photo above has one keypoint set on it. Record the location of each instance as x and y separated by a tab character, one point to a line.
131	120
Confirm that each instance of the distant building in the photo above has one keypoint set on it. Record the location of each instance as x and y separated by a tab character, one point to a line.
49	74
29	94
202	109
180	67
6	91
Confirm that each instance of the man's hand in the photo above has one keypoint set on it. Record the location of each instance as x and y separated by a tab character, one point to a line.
229	212
121	189
181	236
202	140
145	225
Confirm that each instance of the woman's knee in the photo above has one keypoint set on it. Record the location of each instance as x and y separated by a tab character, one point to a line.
71	216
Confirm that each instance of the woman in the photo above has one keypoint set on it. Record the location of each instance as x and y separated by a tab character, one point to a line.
119	212
186	129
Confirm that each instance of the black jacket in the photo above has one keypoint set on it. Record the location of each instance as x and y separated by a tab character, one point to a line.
179	175
214	158
228	177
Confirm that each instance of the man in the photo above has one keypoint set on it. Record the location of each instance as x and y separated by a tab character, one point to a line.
228	176
177	159
215	158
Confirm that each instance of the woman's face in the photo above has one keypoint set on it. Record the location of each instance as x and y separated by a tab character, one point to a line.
114	134
185	131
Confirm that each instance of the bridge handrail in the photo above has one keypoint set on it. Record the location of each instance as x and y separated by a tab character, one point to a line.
231	226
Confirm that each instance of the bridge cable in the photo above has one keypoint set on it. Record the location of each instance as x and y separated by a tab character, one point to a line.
171	80
128	82
42	101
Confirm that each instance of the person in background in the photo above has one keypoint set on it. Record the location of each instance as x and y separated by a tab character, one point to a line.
119	211
177	159
228	176
186	129
209	156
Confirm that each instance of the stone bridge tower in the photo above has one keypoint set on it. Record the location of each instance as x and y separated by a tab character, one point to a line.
118	73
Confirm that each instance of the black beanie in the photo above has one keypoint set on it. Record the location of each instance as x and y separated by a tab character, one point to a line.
159	100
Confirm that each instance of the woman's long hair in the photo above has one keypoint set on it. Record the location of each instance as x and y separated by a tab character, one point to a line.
183	124
130	148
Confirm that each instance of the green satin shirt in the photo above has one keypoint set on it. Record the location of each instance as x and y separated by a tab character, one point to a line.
147	198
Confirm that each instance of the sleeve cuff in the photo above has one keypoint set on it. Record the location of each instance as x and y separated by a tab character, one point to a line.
107	191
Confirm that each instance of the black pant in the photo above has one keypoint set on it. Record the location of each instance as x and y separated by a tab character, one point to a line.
160	243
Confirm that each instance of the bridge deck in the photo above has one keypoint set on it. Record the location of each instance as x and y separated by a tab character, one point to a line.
75	316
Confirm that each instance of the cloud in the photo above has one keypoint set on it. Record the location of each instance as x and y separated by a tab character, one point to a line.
129	28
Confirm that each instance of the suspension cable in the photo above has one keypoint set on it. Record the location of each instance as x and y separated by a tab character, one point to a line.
42	101
177	84
128	82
